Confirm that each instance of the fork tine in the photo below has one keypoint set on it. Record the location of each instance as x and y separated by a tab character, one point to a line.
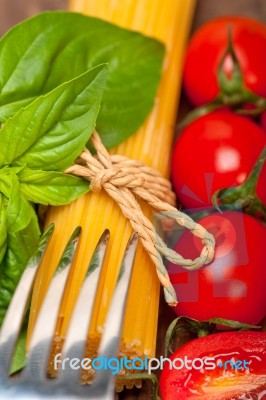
15	314
105	380
40	345
77	334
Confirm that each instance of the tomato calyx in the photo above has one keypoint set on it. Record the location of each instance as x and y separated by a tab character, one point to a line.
183	329
244	196
231	83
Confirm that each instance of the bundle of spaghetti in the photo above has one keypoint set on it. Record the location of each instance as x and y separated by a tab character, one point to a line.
169	21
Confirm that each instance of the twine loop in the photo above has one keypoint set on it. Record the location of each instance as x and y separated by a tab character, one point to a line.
124	180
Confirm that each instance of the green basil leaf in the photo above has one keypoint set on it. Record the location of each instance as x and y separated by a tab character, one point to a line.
5	181
20	357
3	228
52	131
19	210
54	188
42	52
20	247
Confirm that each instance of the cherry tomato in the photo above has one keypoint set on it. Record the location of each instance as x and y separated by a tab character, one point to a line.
221	366
216	151
232	286
207	47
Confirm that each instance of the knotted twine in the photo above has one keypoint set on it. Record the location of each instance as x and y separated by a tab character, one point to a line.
123	179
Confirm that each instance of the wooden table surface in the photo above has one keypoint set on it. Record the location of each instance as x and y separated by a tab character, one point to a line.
13	11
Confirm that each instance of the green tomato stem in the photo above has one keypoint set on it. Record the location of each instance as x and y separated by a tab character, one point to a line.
234	84
244	196
200	112
180	325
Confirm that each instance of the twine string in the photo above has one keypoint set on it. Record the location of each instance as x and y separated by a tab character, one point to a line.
124	180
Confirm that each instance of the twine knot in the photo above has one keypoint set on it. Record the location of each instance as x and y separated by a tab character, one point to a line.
124	180
98	180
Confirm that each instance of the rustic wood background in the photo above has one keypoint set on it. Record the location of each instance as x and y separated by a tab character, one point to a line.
13	11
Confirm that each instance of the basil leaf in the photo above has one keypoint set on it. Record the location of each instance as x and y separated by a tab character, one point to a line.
19	210
3	230
54	188
5	182
42	52
20	247
19	358
52	131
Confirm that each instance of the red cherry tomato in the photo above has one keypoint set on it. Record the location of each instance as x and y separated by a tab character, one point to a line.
216	151
233	366
232	286
207	47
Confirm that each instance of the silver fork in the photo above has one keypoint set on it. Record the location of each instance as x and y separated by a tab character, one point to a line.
32	382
